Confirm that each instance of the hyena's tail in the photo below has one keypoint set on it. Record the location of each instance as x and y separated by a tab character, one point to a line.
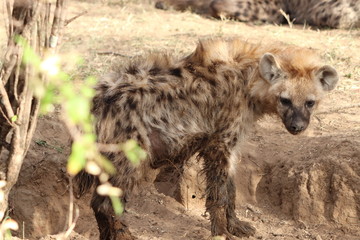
83	182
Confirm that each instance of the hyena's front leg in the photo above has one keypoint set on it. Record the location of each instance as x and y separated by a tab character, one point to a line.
216	167
234	225
110	225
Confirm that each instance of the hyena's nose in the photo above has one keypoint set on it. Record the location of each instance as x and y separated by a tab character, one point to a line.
297	127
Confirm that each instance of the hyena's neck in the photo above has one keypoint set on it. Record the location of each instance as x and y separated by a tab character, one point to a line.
259	95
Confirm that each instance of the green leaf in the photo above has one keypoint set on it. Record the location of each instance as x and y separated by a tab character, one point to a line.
29	55
78	109
77	159
107	165
133	151
14	118
116	203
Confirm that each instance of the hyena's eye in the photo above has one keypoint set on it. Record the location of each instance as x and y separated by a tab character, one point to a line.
310	103
285	101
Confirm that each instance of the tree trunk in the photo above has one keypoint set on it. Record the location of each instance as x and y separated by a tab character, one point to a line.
30	20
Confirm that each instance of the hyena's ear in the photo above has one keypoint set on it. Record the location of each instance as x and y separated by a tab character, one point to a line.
269	68
328	77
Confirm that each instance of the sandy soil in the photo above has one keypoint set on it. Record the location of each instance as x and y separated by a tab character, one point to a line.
289	187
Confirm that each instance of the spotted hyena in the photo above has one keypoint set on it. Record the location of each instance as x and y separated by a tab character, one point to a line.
205	104
321	13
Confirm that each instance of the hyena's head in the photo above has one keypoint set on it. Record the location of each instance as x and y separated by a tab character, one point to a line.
297	87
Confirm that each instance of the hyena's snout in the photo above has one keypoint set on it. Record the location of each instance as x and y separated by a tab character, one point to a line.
296	121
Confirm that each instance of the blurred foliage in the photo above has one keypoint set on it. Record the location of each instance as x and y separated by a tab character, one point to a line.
74	98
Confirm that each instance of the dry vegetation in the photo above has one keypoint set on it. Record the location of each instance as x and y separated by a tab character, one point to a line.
114	31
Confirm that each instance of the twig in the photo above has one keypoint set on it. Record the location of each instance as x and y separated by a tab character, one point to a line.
72	220
108	147
75	17
5	100
71	203
9	11
287	17
114	53
73	224
5	116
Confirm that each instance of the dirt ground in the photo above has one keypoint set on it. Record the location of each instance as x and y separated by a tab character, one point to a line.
289	187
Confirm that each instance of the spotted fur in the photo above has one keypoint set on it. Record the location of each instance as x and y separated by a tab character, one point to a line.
204	104
320	13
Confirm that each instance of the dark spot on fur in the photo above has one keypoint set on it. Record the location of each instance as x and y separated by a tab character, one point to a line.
142	91
132	69
213	92
132	91
164	120
212	69
154	71
324	19
132	103
212	82
155	121
111	155
103	87
181	95
190	68
113	111
152	81
140	139
111	98
177	72
249	5
170	97
130	129
162	80
152	90
118	128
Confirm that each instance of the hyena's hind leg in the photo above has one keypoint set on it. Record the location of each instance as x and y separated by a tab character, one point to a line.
216	171
220	194
112	227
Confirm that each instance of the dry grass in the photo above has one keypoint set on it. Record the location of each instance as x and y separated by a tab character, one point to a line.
130	28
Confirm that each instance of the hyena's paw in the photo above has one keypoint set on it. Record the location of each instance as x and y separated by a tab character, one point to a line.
122	231
240	228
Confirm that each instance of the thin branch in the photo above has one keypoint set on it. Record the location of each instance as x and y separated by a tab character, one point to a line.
10	62
5	116
74	18
113	53
32	122
109	147
9	11
73	224
5	100
71	198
